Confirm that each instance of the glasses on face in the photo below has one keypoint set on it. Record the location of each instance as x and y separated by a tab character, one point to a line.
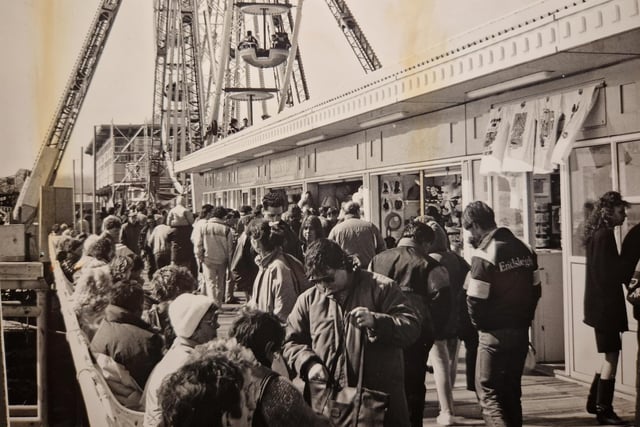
212	321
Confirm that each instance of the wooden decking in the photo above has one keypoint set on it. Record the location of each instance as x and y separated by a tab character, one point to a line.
547	400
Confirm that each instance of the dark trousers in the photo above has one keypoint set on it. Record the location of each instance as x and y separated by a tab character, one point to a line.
499	365
182	249
637	423
415	369
162	259
470	340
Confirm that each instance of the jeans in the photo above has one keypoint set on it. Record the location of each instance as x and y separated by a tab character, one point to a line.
499	365
215	278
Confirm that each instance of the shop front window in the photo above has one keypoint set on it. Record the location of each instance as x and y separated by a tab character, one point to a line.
507	203
590	177
399	204
629	168
443	202
629	177
335	195
480	186
546	205
402	199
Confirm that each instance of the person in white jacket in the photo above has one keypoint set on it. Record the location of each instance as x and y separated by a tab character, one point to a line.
213	247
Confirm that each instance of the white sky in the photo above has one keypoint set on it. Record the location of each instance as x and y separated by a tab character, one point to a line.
41	39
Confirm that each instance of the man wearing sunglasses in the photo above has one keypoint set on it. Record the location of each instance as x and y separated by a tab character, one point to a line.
323	329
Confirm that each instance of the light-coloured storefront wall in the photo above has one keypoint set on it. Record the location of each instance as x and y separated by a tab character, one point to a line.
452	140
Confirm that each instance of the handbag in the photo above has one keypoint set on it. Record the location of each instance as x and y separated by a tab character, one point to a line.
530	360
348	406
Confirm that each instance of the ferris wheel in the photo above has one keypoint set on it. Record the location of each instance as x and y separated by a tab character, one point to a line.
221	65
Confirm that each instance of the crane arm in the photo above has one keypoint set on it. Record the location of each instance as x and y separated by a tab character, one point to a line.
354	34
58	135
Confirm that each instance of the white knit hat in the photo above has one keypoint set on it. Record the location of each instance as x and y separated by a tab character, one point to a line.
186	312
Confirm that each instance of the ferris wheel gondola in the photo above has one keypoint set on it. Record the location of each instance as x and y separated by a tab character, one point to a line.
265	56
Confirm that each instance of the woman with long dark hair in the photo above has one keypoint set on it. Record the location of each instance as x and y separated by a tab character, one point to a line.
310	231
604	302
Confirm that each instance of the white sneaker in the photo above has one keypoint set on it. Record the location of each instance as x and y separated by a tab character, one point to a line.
447	419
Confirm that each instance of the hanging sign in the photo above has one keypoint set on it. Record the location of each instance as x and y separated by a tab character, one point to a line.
535	135
550	116
495	141
518	154
575	114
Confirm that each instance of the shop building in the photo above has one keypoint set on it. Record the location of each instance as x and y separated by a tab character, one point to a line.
415	140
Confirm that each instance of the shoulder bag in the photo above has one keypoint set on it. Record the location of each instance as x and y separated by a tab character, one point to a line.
348	406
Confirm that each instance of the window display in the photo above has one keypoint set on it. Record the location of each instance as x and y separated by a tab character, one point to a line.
337	193
443	202
401	199
546	215
399	203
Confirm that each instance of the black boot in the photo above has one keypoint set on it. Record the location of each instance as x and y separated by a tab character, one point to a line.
593	392
604	404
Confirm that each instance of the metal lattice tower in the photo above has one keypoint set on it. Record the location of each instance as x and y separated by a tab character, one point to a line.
59	133
356	38
200	75
178	97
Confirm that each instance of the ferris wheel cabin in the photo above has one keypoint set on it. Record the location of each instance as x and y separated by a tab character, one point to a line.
268	55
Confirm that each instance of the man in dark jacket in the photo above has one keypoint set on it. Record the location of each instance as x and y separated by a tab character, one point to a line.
347	311
130	233
502	295
125	345
426	284
631	264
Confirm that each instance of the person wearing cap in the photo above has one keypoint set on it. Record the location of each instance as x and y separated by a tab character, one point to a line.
604	301
194	319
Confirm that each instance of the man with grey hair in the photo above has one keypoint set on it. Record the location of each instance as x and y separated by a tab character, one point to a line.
357	237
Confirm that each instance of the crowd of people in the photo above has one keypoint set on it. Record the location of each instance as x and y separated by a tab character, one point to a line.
320	289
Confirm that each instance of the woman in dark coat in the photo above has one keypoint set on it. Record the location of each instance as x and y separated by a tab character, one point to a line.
604	302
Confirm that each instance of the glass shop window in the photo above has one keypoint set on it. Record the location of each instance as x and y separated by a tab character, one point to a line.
590	177
546	215
508	202
629	178
399	204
